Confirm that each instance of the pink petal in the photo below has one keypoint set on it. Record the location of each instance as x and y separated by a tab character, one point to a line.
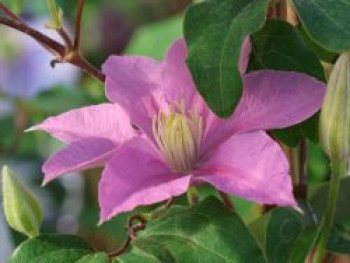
176	79
245	54
136	176
251	166
270	100
80	155
134	83
105	120
276	99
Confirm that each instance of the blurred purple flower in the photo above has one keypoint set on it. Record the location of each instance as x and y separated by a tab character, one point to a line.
25	66
179	141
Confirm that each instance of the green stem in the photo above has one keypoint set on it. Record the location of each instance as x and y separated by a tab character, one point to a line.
339	169
192	195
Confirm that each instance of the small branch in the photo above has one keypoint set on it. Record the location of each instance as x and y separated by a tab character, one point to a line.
53	46
122	249
302	187
160	210
77	37
192	195
339	167
133	227
9	13
227	201
169	203
66	39
80	62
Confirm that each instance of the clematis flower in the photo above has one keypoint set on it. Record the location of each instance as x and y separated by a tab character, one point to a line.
24	64
178	140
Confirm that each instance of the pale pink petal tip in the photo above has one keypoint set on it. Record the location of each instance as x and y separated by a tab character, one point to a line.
77	156
33	128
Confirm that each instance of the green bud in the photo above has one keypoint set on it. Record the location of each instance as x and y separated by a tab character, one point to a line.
56	15
335	113
22	209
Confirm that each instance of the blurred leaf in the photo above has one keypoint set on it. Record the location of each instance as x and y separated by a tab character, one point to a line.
56	15
56	101
22	209
318	164
322	53
17	6
214	32
339	242
94	258
154	39
289	136
205	232
288	238
51	248
7	131
285	235
318	197
259	227
279	47
327	22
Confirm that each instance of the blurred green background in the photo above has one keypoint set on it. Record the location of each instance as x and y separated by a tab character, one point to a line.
132	27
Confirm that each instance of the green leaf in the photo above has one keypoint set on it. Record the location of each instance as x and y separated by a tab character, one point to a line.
205	232
160	35
288	238
51	102
94	258
339	242
322	53
319	196
285	235
51	248
326	21
22	209
136	256
278	46
289	136
214	31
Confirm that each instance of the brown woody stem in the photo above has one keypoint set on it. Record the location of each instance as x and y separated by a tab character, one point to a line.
47	42
302	191
66	39
64	53
227	201
77	37
9	13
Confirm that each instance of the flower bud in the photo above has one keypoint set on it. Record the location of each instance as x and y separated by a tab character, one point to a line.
335	113
22	210
56	15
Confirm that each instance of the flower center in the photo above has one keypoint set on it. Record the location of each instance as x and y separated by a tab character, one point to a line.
178	135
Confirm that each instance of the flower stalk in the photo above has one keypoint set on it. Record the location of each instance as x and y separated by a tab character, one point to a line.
77	37
334	134
339	170
192	195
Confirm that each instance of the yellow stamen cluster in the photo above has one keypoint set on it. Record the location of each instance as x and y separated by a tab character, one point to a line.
178	135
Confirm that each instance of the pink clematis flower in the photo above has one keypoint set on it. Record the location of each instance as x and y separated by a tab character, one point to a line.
178	140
